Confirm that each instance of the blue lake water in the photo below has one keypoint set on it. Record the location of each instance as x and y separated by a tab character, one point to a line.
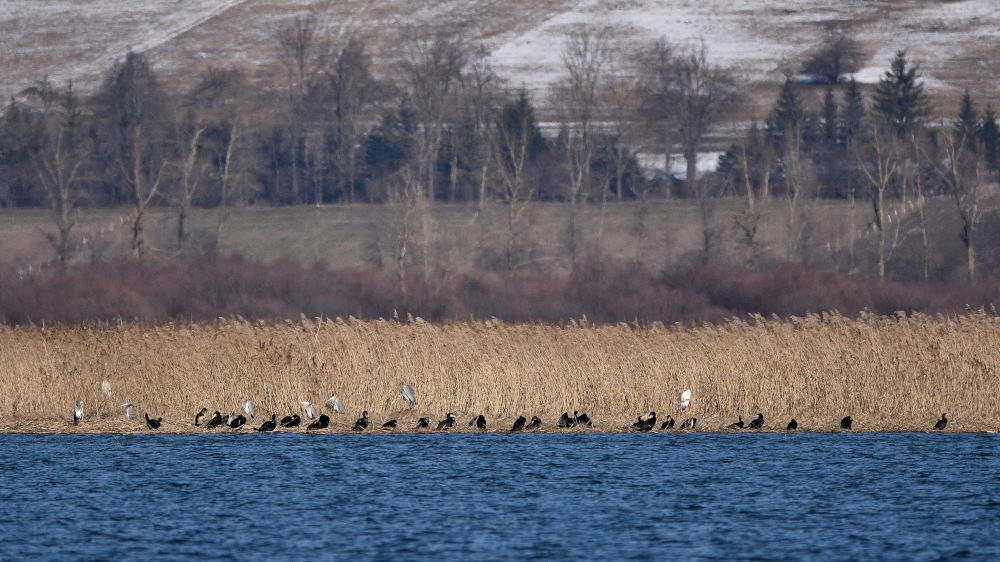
495	496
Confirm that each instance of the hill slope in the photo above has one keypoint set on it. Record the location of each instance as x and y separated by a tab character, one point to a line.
954	41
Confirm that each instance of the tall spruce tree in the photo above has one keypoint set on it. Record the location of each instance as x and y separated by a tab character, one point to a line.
899	99
966	123
989	137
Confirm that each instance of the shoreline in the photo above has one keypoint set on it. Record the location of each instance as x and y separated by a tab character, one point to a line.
711	425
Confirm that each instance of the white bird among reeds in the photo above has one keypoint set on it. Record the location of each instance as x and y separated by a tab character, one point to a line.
336	405
129	410
78	412
248	407
409	395
309	410
685	399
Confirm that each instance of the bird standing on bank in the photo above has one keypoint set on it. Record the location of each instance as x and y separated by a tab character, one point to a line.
290	421
336	405
409	395
322	423
200	416
78	412
757	422
479	422
447	422
362	423
215	421
423	423
268	425
846	423
518	424
237	422
792	425
736	424
151	423
941	423
535	423
248	407
309	410
685	401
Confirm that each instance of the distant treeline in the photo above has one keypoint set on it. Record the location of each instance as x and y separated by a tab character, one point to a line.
442	126
204	289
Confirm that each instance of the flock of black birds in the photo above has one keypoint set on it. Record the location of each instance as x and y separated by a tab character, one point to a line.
643	423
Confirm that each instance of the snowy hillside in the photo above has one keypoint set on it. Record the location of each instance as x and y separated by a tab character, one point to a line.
956	42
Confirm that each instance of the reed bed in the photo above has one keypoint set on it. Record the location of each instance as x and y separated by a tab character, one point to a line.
889	372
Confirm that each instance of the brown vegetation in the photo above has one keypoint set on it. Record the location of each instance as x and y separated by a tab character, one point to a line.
888	372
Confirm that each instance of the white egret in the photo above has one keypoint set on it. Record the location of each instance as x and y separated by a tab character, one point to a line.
309	410
685	399
409	395
129	410
248	407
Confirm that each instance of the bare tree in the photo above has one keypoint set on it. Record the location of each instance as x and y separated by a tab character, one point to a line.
755	164
879	164
354	92
515	142
305	53
962	171
702	95
585	59
190	168
130	105
432	71
61	160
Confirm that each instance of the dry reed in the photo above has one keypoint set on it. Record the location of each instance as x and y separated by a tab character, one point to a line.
889	373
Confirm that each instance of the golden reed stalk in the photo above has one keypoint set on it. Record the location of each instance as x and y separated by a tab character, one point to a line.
889	373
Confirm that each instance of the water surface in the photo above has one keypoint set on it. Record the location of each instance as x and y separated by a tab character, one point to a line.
496	496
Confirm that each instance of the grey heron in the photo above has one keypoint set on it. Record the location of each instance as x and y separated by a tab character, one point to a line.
200	416
941	423
685	400
757	422
248	407
309	410
268	425
336	405
129	410
291	421
78	412
322	423
362	423
151	423
409	395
